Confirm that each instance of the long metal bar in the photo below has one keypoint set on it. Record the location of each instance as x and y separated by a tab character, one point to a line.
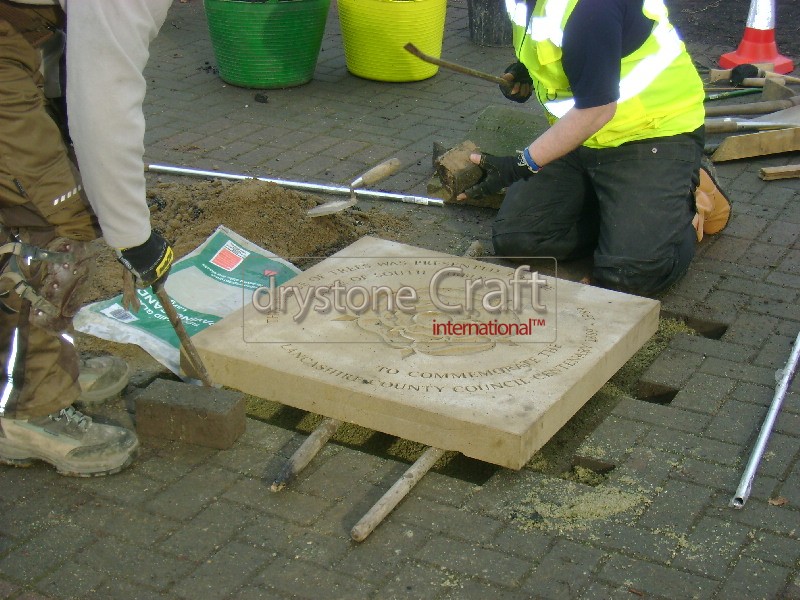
746	483
300	185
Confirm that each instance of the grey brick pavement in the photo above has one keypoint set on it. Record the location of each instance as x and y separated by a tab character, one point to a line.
188	522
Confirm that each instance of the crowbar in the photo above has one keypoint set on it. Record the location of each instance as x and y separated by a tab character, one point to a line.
303	186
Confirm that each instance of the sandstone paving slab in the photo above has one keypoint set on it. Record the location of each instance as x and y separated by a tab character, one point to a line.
447	351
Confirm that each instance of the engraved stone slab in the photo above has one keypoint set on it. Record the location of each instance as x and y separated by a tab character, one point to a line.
447	351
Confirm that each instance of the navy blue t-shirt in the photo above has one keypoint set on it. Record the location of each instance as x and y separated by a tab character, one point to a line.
598	34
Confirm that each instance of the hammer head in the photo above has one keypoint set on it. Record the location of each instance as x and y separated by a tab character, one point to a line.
741	72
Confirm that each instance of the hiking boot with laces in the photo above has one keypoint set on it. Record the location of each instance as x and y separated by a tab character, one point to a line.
68	440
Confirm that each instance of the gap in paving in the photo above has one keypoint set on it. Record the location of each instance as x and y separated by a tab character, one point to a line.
555	458
664	397
707	328
375	443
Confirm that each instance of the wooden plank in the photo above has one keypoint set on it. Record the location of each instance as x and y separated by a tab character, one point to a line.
751	108
787	172
758	144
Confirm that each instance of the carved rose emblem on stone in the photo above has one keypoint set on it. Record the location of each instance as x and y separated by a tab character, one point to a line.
417	332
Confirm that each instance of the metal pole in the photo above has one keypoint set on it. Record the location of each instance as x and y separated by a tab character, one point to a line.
746	483
300	185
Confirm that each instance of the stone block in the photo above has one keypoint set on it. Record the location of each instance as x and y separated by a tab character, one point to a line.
429	347
203	416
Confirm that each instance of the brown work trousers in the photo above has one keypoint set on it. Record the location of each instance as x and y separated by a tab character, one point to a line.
40	200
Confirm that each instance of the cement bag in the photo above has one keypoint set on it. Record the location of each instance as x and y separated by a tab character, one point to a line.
207	284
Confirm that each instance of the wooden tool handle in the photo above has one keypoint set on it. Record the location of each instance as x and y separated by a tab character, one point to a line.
753	108
455	67
183	336
377	173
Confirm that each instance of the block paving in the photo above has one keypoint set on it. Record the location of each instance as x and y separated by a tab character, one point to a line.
193	522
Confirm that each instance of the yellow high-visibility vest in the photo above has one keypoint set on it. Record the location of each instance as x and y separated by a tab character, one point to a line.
660	92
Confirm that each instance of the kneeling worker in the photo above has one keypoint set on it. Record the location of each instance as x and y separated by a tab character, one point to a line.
617	173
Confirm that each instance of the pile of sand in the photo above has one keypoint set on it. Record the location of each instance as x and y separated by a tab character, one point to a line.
266	214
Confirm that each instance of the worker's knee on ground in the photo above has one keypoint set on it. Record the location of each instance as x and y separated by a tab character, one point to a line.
643	277
509	242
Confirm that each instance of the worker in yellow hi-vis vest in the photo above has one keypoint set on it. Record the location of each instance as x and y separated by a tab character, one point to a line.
617	174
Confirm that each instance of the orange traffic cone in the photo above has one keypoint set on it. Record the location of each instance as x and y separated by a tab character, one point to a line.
758	44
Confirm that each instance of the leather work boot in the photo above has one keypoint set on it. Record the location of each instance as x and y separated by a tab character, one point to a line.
68	440
101	378
713	207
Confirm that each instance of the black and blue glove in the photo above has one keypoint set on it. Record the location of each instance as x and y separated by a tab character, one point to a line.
499	173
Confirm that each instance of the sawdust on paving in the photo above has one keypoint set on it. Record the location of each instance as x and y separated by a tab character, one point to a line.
555	457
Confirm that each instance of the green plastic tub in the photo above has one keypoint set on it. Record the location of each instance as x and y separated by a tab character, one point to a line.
375	31
266	43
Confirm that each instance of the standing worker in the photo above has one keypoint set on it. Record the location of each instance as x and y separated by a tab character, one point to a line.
46	223
617	174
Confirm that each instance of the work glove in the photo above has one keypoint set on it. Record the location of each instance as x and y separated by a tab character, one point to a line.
521	84
150	262
499	172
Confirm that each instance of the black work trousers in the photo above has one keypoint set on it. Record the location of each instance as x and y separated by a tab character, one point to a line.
630	206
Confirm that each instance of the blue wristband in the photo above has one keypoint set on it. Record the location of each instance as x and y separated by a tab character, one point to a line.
529	162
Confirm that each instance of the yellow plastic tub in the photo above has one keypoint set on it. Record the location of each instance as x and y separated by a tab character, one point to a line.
375	31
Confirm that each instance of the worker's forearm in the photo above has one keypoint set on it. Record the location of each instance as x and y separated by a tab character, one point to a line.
569	132
104	99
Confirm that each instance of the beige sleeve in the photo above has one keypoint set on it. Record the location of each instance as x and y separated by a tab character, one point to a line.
107	49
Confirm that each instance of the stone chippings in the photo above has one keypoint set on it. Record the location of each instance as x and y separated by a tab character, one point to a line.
188	522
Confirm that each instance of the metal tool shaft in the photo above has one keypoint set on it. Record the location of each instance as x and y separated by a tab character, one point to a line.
300	185
746	483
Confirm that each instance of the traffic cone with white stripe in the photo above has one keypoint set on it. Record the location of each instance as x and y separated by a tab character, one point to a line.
758	44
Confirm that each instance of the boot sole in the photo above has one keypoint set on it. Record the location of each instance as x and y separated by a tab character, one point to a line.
8	456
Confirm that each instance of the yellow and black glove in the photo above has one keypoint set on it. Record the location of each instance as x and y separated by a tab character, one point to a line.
150	262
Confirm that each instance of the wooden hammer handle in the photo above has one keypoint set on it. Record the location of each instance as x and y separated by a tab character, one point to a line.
456	67
183	336
377	173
